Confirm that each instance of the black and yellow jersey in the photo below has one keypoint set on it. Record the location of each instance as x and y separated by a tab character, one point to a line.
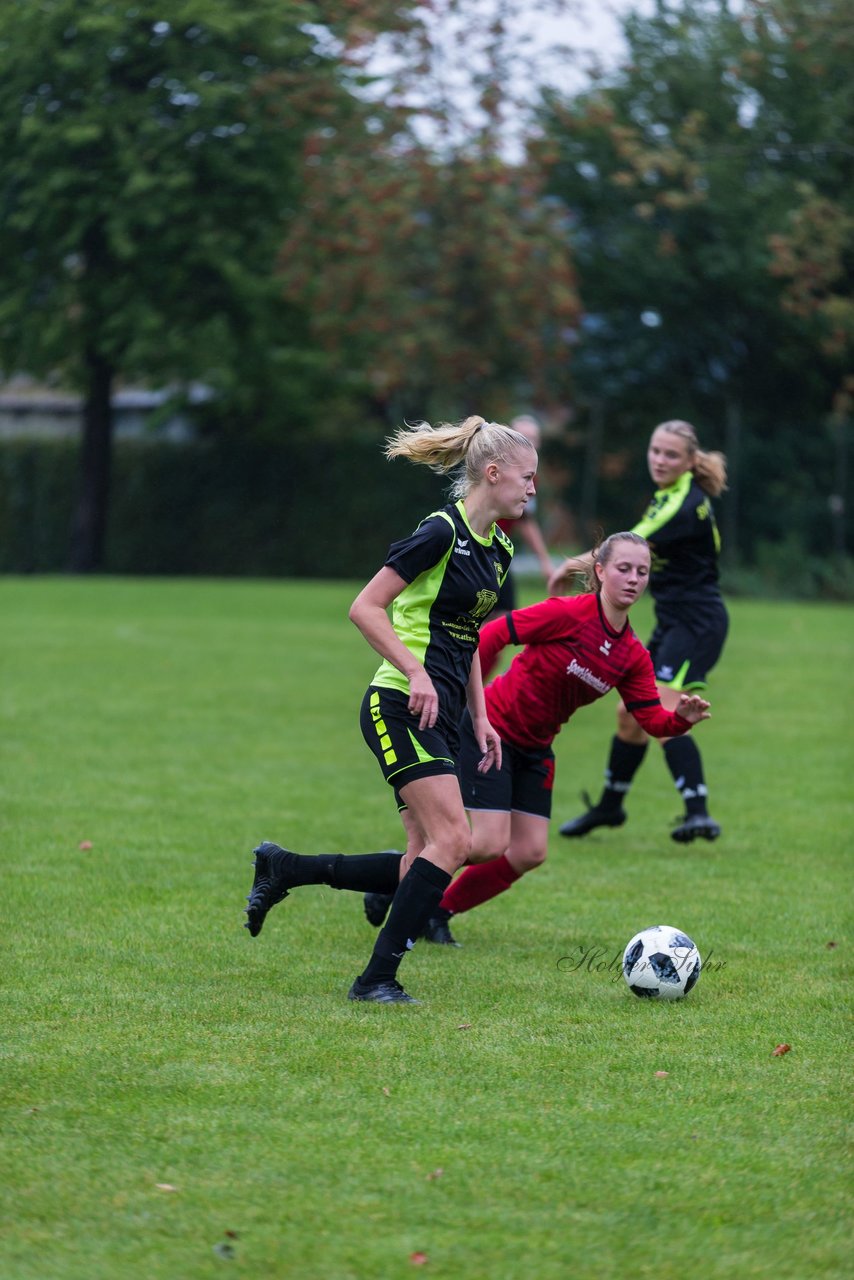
453	578
679	525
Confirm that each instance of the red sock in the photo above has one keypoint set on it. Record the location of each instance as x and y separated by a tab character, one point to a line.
477	884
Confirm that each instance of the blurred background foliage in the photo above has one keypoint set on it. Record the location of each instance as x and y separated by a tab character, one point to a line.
336	217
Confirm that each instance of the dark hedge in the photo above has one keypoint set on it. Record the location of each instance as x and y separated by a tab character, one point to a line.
232	509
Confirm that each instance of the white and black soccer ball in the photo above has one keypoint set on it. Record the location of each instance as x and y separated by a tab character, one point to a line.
661	962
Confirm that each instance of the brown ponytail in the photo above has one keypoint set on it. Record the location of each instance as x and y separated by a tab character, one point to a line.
602	553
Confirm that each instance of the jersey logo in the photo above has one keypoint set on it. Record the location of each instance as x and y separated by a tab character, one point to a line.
605	647
486	602
499	571
461	549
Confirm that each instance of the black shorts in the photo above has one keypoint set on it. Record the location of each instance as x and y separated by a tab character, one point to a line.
404	751
687	642
523	783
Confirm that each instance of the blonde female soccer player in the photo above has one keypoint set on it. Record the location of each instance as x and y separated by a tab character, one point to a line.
441	582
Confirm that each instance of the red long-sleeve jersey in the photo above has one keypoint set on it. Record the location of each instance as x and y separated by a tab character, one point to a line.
572	656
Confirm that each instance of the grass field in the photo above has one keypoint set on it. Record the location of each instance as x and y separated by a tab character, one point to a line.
181	1102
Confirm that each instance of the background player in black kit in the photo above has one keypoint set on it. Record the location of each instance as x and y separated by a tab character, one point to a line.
441	582
691	623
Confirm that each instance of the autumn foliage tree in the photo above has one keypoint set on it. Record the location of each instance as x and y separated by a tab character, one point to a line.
710	184
433	265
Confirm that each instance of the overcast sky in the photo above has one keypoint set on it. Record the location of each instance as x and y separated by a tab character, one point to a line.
591	33
595	30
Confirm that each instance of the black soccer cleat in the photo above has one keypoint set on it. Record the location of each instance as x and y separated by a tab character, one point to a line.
376	907
271	884
389	992
437	929
695	826
593	818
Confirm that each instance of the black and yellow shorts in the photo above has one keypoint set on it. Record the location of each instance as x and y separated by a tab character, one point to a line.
687	643
404	751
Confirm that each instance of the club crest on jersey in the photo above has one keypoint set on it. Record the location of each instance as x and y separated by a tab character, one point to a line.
498	567
486	602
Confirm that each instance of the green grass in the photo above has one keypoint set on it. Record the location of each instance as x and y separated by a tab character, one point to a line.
514	1124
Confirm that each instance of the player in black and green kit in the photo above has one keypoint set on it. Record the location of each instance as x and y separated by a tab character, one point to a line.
691	624
440	583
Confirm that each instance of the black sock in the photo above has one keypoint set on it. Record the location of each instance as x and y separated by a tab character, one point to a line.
419	893
623	763
364	872
686	765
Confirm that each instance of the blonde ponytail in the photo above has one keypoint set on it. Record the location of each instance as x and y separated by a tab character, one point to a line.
710	471
466	447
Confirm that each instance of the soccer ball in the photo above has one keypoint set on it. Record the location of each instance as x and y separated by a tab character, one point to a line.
661	962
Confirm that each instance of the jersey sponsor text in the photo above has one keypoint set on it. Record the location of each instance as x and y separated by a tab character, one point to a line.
585	674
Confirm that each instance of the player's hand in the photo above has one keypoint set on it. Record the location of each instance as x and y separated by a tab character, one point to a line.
693	708
423	700
490	746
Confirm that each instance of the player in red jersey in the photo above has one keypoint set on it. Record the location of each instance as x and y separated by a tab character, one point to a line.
577	648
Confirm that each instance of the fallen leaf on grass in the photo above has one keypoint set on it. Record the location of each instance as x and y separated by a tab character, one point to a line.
780	1050
831	945
165	1186
418	1259
85	844
662	1074
386	1091
437	1173
464	1026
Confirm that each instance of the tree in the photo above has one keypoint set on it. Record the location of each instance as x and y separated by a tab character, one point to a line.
434	266
708	180
148	156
